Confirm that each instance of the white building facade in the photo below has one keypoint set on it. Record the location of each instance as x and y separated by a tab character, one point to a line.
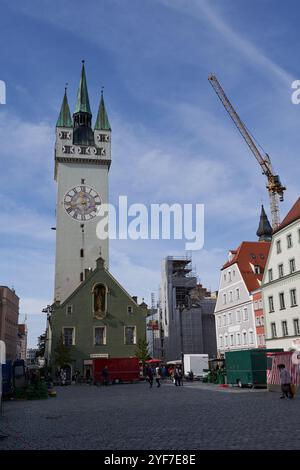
234	312
235	322
281	284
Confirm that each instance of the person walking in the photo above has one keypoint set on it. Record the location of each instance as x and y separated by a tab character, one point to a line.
285	380
158	376
150	376
105	375
180	376
176	377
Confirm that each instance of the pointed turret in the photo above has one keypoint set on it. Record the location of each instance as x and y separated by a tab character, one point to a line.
102	122
64	118
83	134
83	102
264	231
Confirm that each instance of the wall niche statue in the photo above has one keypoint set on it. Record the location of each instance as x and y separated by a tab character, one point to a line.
99	301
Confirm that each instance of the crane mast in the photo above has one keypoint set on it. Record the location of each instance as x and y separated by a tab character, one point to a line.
274	186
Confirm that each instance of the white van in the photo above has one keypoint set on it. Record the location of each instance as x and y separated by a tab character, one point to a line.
196	363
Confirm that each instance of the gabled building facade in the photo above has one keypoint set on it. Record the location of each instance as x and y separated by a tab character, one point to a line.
281	283
240	276
99	319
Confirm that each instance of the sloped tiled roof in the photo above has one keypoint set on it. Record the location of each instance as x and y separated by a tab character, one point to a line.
255	253
291	216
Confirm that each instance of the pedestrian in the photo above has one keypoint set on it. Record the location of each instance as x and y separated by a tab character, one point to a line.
88	376
77	374
158	376
285	380
180	376
191	375
164	372
150	376
176	376
105	375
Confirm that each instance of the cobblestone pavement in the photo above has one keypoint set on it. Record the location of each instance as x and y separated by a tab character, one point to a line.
194	416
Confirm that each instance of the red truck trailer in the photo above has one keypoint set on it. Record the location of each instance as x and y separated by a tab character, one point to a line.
120	369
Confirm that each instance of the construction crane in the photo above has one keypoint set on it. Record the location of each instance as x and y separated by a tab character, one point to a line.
274	186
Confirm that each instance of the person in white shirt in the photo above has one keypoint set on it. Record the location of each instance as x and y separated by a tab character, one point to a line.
157	376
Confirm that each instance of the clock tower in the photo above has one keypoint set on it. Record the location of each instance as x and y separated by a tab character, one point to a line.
82	161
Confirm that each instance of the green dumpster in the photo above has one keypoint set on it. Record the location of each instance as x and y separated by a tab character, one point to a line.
247	367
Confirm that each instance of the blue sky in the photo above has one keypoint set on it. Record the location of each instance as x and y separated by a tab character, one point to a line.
172	139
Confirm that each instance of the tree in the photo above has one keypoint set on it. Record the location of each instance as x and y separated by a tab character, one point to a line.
41	346
141	351
62	353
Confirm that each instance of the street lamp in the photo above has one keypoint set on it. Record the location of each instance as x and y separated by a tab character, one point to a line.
49	309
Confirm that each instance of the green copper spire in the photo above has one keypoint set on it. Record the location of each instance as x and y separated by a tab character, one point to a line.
64	118
102	122
83	103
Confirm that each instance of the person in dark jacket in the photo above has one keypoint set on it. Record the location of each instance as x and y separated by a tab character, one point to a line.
150	376
285	380
105	375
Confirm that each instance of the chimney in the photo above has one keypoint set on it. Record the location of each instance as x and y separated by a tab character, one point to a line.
134	297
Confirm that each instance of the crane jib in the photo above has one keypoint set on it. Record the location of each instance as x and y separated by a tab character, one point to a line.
274	185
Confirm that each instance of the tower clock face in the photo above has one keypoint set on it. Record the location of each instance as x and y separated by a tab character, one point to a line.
82	202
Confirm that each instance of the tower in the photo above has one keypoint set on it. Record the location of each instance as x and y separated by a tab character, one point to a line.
264	231
82	161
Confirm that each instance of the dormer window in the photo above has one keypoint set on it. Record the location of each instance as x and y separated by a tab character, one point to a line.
257	270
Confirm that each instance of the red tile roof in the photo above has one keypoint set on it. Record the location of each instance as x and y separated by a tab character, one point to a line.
291	216
255	253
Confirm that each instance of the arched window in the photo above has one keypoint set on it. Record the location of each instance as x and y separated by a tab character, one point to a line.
99	301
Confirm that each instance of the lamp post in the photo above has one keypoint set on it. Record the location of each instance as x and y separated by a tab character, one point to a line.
49	309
